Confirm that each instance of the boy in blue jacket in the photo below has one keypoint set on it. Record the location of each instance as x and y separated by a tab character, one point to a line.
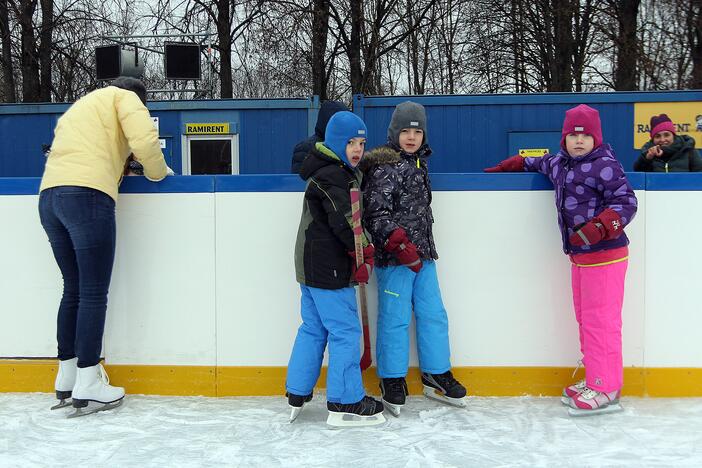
326	271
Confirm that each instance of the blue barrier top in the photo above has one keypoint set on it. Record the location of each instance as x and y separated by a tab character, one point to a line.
470	182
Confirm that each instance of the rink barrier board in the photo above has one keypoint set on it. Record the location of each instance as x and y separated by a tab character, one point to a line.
29	375
37	375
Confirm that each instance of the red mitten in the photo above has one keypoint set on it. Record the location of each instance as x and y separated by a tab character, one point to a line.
513	164
612	223
362	273
405	251
607	225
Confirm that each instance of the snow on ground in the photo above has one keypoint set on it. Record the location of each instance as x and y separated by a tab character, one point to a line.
254	431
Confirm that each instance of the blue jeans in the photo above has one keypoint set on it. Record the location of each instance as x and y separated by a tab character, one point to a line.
400	290
80	223
328	315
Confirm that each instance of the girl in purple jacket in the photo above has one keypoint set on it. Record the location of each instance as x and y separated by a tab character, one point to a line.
594	202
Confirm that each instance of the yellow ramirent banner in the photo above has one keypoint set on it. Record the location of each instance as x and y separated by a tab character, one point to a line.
207	128
687	117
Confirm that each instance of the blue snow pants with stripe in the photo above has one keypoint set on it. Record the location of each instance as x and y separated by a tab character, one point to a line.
399	290
328	316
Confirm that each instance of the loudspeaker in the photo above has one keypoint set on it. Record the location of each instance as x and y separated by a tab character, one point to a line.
112	61
182	61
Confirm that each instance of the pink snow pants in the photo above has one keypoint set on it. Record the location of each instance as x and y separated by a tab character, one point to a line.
598	294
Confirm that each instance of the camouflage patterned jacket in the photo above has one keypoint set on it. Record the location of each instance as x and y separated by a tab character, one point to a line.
397	193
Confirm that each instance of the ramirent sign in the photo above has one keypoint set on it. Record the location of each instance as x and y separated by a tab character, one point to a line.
207	128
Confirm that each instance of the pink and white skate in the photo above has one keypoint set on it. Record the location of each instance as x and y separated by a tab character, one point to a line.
572	390
591	402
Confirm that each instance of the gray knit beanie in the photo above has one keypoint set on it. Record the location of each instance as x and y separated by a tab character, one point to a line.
407	115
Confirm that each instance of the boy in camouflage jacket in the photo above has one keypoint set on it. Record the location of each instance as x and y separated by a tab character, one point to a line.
397	213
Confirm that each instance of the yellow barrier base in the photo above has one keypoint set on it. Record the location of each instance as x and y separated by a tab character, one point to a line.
37	375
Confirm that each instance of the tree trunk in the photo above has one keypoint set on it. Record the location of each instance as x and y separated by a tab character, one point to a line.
413	44
354	49
320	32
7	88
695	40
224	28
562	70
46	39
627	45
29	58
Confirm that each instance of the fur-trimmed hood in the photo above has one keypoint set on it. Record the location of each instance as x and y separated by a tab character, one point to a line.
388	154
378	156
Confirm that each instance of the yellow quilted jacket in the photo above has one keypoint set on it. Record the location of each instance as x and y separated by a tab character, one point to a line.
93	139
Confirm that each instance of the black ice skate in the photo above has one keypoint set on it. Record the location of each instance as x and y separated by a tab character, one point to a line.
296	403
367	412
443	387
394	391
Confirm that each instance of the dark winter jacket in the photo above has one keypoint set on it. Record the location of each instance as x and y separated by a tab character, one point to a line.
303	148
584	187
397	193
325	236
680	156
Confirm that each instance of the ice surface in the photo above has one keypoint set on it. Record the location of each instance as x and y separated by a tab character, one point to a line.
254	431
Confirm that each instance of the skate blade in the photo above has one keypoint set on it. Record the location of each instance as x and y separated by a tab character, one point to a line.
612	408
294	412
62	404
354	420
87	410
392	408
565	400
434	394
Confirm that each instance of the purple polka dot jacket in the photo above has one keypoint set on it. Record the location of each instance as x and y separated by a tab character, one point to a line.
584	187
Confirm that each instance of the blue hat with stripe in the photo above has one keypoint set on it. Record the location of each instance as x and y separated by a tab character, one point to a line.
342	127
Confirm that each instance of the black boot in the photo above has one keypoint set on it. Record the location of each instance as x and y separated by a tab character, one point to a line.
394	390
445	384
366	407
367	412
296	401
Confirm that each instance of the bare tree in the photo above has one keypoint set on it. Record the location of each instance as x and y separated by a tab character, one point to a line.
8	79
694	38
320	34
44	49
623	36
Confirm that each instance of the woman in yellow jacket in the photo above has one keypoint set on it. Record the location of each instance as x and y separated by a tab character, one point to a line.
92	141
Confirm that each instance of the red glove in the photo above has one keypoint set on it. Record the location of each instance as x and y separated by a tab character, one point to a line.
513	164
405	251
607	225
362	274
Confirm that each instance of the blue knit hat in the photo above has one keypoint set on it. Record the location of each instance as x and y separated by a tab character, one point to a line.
342	127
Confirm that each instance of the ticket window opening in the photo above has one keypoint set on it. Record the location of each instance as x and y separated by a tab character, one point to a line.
212	154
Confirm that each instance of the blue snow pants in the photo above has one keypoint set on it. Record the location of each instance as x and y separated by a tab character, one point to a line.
399	289
328	315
